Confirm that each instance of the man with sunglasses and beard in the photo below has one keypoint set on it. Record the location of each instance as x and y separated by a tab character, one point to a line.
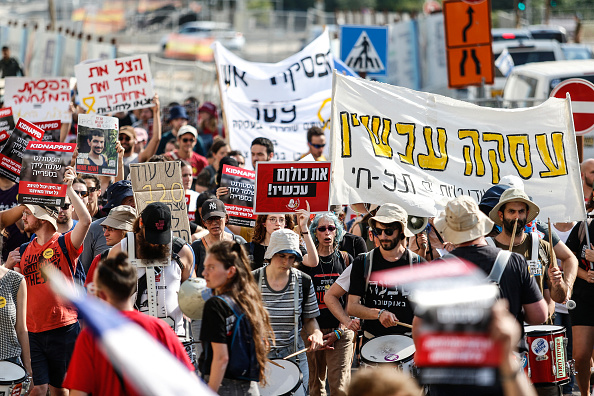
316	141
380	305
152	247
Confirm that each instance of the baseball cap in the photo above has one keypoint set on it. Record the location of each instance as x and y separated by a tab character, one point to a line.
141	134
156	219
208	107
117	192
283	241
462	221
391	213
213	208
128	130
187	129
44	212
121	218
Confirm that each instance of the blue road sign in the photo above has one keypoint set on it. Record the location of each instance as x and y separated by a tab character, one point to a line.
365	48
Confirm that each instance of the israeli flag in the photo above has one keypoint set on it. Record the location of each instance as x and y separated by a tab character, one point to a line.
145	362
505	62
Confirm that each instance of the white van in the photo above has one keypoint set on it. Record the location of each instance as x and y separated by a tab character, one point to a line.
530	85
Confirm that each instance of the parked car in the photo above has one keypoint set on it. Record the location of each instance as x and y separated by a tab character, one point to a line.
501	34
573	51
193	39
546	32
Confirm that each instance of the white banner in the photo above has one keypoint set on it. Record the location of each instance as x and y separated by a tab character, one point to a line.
280	101
38	99
392	144
114	85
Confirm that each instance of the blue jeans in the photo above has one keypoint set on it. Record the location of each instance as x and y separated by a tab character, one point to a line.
563	319
301	360
231	387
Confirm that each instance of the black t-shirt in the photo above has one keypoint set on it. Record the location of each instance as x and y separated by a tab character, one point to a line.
200	252
380	295
256	252
584	289
323	276
217	326
516	284
352	244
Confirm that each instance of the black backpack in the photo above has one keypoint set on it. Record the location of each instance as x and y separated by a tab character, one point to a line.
79	275
243	363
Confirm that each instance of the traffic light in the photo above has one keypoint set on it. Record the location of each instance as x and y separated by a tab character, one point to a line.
522	5
553	3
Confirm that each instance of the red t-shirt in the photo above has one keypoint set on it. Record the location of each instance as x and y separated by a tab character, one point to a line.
91	372
44	310
91	271
197	161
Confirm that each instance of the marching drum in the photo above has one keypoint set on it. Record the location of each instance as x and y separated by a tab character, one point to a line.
390	349
281	381
547	356
13	379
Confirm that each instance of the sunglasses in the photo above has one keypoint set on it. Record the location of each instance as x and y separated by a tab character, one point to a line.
124	137
93	189
83	194
318	146
187	140
329	228
66	206
387	231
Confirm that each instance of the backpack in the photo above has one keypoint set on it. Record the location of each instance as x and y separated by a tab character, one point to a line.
243	363
79	275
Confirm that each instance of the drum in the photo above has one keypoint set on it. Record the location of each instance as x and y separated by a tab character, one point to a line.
281	381
188	343
192	295
547	356
13	379
390	349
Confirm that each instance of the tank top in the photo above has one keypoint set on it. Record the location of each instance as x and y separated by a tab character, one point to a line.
9	287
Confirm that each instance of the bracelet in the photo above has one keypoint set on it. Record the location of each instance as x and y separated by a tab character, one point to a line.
380	313
337	334
305	233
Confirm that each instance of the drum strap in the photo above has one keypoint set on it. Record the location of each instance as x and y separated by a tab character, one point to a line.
499	266
535	243
368	265
490	241
296	307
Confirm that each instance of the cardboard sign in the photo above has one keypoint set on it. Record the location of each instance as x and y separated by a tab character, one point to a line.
52	130
240	200
283	187
38	99
113	85
162	182
96	140
11	156
42	174
6	124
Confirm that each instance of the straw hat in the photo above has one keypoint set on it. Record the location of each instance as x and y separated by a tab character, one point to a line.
392	213
462	221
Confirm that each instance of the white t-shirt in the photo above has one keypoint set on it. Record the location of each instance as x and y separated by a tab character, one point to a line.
563	235
344	280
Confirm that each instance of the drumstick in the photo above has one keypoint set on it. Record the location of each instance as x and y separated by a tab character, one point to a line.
553	258
404	324
276	364
513	235
295	354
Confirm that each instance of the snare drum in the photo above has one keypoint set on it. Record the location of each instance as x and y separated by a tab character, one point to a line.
390	349
281	381
547	357
13	379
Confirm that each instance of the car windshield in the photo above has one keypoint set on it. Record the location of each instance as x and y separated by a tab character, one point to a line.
521	58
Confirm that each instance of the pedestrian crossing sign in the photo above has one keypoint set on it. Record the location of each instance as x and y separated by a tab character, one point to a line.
365	48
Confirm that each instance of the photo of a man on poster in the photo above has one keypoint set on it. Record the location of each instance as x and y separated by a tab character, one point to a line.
96	142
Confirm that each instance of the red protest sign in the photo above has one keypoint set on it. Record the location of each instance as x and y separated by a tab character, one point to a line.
11	156
283	187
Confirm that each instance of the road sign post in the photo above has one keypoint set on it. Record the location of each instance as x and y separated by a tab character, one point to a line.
468	42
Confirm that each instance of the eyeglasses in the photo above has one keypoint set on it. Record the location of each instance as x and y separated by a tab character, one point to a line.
109	229
387	231
318	146
186	140
329	228
276	220
93	189
124	137
66	206
83	194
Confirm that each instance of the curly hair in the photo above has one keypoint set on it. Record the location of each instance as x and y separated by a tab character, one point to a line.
332	217
242	288
260	228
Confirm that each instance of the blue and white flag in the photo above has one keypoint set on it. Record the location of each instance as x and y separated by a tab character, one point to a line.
505	62
342	68
147	364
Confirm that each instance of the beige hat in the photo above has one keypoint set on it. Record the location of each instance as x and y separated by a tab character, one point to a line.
283	241
514	195
462	221
44	212
392	213
121	218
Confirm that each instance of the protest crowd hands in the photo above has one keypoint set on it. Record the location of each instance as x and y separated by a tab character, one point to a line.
14	257
303	216
388	319
69	176
222	191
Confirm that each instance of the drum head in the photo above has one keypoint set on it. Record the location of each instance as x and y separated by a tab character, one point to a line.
543	330
192	295
11	373
388	349
281	381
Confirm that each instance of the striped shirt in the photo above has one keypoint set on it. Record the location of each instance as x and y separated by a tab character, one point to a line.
280	306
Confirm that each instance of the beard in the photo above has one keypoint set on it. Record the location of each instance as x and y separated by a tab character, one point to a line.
508	225
389	244
150	251
32	227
